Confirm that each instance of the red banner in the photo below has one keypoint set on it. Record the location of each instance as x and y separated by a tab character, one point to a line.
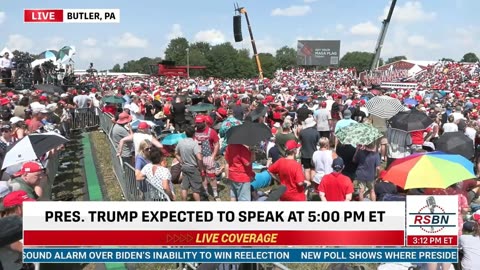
214	238
43	15
434	240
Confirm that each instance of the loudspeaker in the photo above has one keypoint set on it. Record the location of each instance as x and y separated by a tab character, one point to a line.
237	28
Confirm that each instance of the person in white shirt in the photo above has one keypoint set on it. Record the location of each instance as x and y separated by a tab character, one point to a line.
457	115
135	109
6	69
450	126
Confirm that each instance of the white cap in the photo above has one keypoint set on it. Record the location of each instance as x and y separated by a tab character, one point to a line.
16	119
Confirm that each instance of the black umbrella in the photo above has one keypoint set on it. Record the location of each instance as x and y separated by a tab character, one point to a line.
50	89
456	143
32	147
412	120
248	133
260	111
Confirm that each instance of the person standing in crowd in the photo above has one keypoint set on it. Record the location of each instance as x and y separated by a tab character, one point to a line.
290	174
11	255
188	153
322	161
336	187
308	138
178	111
142	134
83	101
324	120
346	121
368	161
6	66
470	245
285	135
136	108
157	174
120	131
28	179
208	140
450	126
303	113
239	170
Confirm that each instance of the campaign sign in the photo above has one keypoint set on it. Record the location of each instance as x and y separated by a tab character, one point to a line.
432	220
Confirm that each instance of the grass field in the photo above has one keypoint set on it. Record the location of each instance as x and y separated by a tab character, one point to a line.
114	193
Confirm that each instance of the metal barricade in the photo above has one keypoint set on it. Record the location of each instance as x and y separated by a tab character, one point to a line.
105	121
85	118
133	193
51	169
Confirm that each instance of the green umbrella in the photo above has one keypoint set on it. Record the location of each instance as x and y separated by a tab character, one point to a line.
202	107
65	53
113	99
358	133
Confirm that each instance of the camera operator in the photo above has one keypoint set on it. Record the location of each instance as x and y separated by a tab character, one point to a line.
6	66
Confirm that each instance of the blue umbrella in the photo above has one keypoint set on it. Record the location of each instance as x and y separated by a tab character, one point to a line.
173	139
410	101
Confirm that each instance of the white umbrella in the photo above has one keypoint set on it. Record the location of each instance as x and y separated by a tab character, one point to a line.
32	147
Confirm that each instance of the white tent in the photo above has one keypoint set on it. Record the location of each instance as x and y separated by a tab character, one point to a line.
6	50
414	70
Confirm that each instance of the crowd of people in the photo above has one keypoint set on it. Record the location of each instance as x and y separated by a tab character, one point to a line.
303	158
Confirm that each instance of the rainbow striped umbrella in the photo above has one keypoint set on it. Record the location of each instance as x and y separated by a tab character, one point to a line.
429	170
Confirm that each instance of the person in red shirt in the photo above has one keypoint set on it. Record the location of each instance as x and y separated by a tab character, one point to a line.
290	174
336	187
239	171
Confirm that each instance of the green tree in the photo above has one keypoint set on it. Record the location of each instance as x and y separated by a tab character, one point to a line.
470	58
177	51
286	57
222	61
245	68
142	65
203	47
197	58
447	60
116	68
268	63
395	59
360	60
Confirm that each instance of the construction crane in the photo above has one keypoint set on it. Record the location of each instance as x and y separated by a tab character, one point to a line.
242	10
381	38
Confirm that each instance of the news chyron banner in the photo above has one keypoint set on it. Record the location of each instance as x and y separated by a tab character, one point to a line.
163	232
71	15
213	224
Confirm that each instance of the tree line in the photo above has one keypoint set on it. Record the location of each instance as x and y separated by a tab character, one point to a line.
225	61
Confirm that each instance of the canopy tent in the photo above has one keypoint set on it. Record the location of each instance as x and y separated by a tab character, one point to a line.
6	50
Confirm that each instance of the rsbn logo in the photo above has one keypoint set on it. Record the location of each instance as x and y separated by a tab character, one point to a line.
431	218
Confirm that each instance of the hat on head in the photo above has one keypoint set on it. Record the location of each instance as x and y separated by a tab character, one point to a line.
30	167
16	198
310	122
124	118
291	145
476	216
347	114
143	125
199	119
338	164
222	112
15	120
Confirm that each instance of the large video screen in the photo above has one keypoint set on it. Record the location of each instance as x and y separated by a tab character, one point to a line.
318	52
